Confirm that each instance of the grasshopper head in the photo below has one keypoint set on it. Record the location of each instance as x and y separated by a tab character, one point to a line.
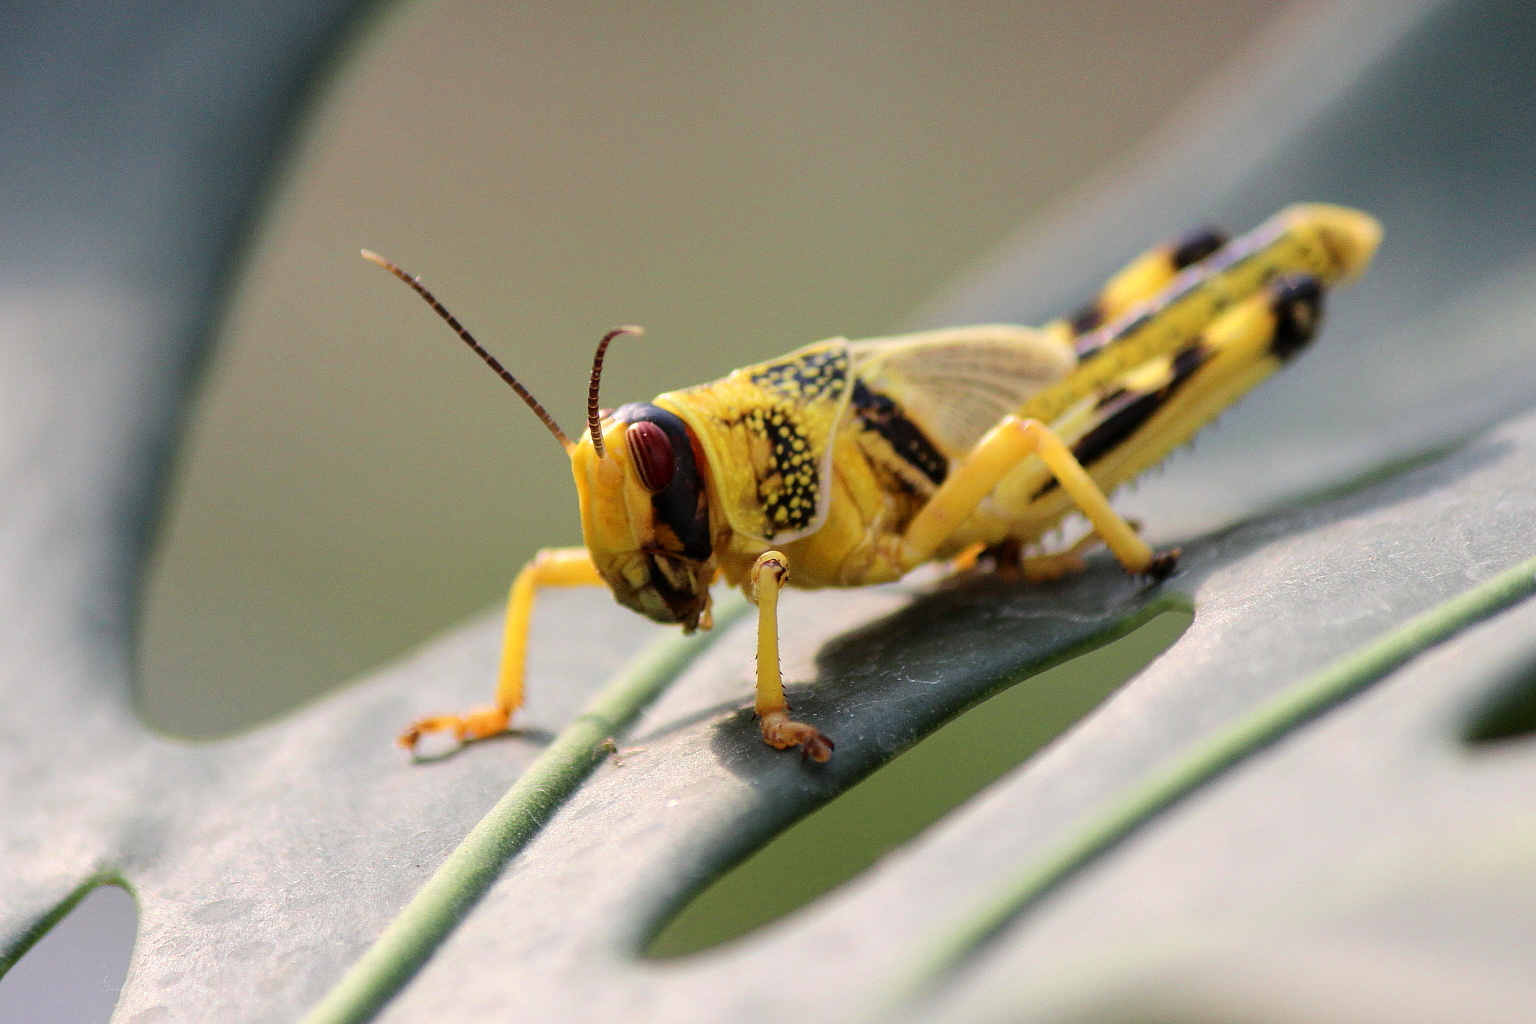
645	513
640	477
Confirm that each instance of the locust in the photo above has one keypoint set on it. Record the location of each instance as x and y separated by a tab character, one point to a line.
850	463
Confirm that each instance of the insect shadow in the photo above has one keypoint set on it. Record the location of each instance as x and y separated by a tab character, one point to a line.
878	689
883	686
535	735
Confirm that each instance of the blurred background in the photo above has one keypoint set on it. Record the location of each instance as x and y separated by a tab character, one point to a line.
740	179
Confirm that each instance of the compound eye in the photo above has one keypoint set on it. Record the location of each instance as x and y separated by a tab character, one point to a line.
651	451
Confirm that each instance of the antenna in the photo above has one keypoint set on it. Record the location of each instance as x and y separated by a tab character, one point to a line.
593	420
469	339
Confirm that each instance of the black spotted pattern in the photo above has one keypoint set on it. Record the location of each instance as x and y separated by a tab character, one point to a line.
790	488
807	379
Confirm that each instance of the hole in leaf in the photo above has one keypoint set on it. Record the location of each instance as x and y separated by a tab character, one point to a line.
1509	714
75	971
839	840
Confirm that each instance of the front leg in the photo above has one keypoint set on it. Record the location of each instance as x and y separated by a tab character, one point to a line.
769	574
552	567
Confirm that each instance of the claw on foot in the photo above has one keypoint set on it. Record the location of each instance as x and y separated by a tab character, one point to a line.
1163	565
476	725
781	733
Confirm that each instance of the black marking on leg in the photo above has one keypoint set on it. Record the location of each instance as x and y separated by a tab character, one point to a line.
1182	253
1131	409
1090	345
1109	398
1186	362
1089	318
1297	300
1196	245
1125	412
1226	258
1163	565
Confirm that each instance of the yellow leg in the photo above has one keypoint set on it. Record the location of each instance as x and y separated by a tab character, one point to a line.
552	567
769	574
1004	447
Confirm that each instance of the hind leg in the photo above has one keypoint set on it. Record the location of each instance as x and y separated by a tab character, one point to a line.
1145	413
1002	449
1145	276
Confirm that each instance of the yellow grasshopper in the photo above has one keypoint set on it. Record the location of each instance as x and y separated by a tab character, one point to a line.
851	463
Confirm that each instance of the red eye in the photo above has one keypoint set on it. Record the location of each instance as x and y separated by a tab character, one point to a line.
651	451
